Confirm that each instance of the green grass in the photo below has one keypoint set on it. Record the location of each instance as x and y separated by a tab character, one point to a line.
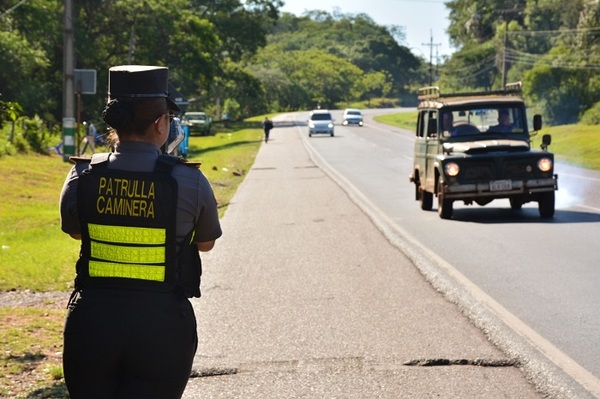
575	144
226	157
34	253
405	120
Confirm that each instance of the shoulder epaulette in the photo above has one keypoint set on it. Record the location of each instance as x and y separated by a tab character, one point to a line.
188	163
75	159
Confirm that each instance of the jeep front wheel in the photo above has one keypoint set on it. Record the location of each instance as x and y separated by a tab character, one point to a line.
546	205
444	205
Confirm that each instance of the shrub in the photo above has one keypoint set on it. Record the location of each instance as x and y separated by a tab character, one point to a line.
592	115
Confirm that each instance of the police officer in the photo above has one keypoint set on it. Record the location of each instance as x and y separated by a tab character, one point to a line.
141	216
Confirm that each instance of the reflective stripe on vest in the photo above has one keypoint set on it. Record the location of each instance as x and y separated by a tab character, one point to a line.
140	272
113	259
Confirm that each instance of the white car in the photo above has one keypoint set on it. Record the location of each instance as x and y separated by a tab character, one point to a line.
352	117
320	121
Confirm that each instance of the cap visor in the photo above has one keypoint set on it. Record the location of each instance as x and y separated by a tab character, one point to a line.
172	106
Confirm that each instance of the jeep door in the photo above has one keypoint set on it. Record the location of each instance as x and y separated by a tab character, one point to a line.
427	146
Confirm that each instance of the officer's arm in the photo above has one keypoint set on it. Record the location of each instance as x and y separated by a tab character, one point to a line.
205	246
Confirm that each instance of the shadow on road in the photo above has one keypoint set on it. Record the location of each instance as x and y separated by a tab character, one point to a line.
525	215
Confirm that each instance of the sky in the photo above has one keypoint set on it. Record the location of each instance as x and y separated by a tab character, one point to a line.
424	21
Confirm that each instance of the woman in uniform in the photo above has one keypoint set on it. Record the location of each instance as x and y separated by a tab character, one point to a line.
141	216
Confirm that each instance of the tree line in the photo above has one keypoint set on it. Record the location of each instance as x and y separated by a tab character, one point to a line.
246	57
225	56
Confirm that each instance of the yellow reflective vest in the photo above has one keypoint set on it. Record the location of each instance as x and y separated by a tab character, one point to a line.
128	227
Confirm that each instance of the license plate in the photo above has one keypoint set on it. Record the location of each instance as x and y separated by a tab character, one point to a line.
500	185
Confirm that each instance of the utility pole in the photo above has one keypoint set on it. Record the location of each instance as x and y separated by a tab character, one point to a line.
505	13
431	46
504	66
69	126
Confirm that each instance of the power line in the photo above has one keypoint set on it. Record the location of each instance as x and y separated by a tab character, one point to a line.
551	32
471	67
12	8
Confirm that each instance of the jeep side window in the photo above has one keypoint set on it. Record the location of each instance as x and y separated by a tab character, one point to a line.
432	124
447	123
421	124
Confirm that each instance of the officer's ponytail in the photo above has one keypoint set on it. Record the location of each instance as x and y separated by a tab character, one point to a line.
118	115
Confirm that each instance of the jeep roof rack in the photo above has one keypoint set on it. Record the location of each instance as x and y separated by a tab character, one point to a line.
433	92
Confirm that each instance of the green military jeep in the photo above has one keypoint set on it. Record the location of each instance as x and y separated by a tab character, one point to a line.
198	122
476	147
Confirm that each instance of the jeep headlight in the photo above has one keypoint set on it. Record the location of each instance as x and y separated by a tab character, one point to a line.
545	164
452	169
311	124
330	125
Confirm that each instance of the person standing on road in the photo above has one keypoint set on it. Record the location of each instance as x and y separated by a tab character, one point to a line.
267	126
90	137
141	216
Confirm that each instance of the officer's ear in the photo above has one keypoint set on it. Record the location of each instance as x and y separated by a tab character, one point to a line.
161	124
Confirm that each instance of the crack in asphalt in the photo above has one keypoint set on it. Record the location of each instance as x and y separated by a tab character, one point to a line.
354	363
464	362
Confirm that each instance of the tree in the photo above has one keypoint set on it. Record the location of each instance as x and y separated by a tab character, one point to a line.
26	35
242	26
180	34
374	84
351	39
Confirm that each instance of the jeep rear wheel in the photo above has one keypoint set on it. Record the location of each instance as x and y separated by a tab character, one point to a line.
444	205
546	205
516	204
426	199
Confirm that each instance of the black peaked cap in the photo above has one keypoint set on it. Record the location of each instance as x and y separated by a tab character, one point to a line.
140	81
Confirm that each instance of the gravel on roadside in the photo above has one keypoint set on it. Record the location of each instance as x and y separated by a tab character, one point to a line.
28	298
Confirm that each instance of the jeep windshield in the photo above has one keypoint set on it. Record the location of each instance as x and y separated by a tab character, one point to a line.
483	120
195	116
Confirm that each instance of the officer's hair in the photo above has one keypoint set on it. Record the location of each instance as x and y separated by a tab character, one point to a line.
132	116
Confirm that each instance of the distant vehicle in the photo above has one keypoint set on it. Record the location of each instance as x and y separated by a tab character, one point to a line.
352	117
320	121
476	147
198	122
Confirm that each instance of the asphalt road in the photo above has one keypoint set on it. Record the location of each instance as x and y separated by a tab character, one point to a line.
304	297
540	277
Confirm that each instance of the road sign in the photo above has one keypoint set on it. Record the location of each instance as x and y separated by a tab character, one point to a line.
85	81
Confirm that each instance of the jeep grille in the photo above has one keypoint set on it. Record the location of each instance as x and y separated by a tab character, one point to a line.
477	172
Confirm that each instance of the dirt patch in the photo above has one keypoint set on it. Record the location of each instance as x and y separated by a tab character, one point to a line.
28	299
31	344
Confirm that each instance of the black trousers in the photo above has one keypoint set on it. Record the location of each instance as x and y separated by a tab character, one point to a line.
128	344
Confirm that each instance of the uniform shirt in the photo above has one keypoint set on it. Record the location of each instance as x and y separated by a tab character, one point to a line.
196	204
